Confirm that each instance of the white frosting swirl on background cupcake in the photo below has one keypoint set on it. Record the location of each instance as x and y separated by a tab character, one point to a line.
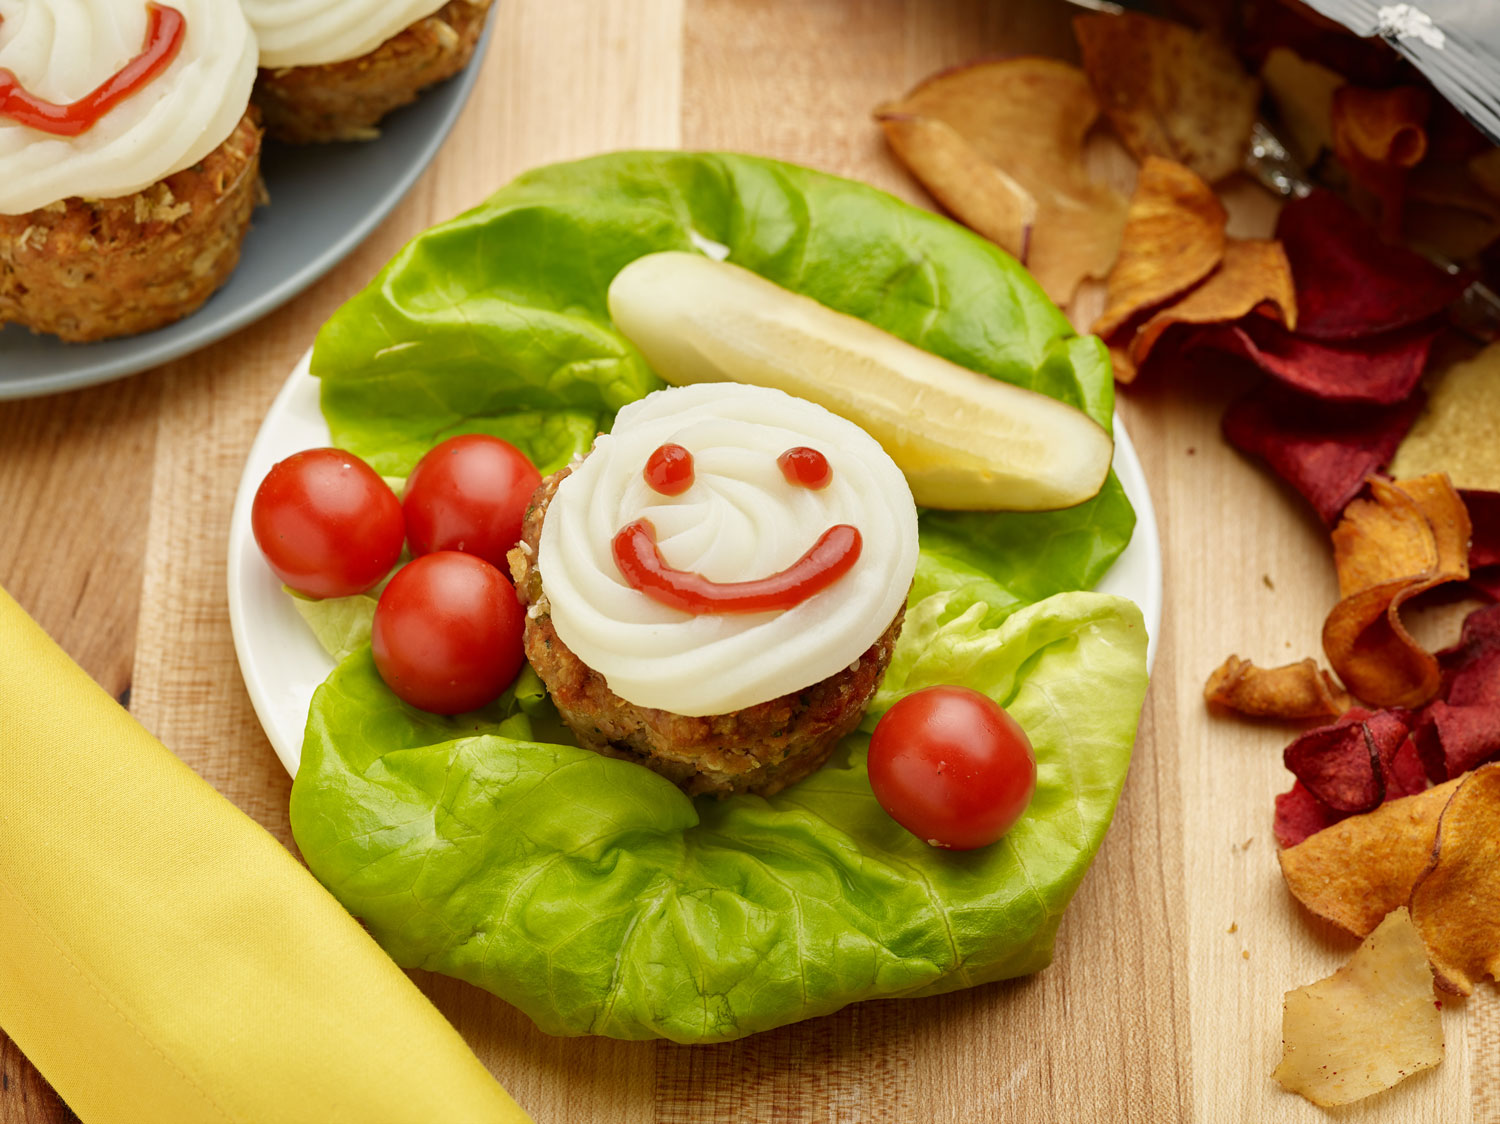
739	521
316	32
61	50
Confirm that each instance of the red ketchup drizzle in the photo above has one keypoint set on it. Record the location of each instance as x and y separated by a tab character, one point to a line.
164	34
640	561
669	470
805	468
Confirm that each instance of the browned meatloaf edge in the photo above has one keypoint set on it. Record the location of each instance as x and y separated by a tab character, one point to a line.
345	100
761	749
92	269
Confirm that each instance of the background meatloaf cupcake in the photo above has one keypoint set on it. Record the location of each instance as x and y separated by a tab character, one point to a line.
331	69
746	700
132	220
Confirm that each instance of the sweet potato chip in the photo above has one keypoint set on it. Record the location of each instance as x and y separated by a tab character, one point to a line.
1350	283
1026	118
1356	871
1367	1027
1174	237
1303	94
1380	370
1170	91
1460	432
1252	276
1324	454
1456	902
1380	135
1298	690
1406	540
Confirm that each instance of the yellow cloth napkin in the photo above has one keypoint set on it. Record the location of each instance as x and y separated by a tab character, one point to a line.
164	959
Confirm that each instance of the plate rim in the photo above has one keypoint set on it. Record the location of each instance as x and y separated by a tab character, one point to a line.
213	329
266	449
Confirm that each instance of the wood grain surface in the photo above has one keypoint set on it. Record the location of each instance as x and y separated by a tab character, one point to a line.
1164	1000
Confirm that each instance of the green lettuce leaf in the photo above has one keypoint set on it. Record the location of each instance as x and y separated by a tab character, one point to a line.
596	897
496	323
588	891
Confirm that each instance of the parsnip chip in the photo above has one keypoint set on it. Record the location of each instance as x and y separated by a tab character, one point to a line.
1460	432
1367	1027
1410	537
1170	91
1174	237
1025	117
1303	94
1456	903
1253	275
1298	690
1356	871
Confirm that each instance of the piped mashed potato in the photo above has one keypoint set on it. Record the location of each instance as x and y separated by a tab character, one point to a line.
318	32
61	50
739	521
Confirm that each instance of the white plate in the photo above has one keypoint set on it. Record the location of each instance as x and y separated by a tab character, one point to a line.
283	664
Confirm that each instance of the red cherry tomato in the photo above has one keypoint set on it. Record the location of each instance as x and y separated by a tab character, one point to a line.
469	493
952	767
447	633
326	523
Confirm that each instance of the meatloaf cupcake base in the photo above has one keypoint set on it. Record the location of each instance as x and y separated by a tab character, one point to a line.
344	101
91	269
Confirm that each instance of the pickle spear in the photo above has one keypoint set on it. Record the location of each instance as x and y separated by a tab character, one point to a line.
964	440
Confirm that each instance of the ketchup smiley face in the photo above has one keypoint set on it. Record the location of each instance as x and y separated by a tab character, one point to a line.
669	472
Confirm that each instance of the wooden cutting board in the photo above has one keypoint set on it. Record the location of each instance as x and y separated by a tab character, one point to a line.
1164	1001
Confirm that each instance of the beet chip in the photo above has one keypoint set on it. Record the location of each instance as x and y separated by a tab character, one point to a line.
1378	371
1324	454
1484	513
1351	284
1454	739
1346	765
1298	690
1299	814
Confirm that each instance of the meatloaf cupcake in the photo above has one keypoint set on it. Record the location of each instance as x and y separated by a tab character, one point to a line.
331	69
129	161
716	589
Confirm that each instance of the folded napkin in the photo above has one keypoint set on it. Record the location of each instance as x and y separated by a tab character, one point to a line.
164	959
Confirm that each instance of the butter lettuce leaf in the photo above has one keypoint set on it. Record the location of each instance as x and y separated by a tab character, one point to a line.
588	891
598	899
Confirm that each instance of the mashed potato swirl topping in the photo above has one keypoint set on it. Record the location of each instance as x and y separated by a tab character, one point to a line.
61	50
739	521
316	32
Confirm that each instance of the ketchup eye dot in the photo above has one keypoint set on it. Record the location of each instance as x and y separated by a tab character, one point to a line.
669	470
805	468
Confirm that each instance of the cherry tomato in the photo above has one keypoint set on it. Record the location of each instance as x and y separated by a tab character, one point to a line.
326	523
952	767
447	633
469	493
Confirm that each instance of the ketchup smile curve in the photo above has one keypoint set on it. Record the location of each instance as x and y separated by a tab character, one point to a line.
164	34
644	568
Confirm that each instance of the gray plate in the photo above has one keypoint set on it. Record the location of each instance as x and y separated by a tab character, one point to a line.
325	199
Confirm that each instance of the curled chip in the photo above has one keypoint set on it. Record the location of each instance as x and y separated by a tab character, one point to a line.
1410	537
1325	454
1346	765
1174	237
1357	870
1370	1025
1253	276
1380	135
1025	118
1170	91
1298	690
1351	284
1380	371
1456	902
1460	432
